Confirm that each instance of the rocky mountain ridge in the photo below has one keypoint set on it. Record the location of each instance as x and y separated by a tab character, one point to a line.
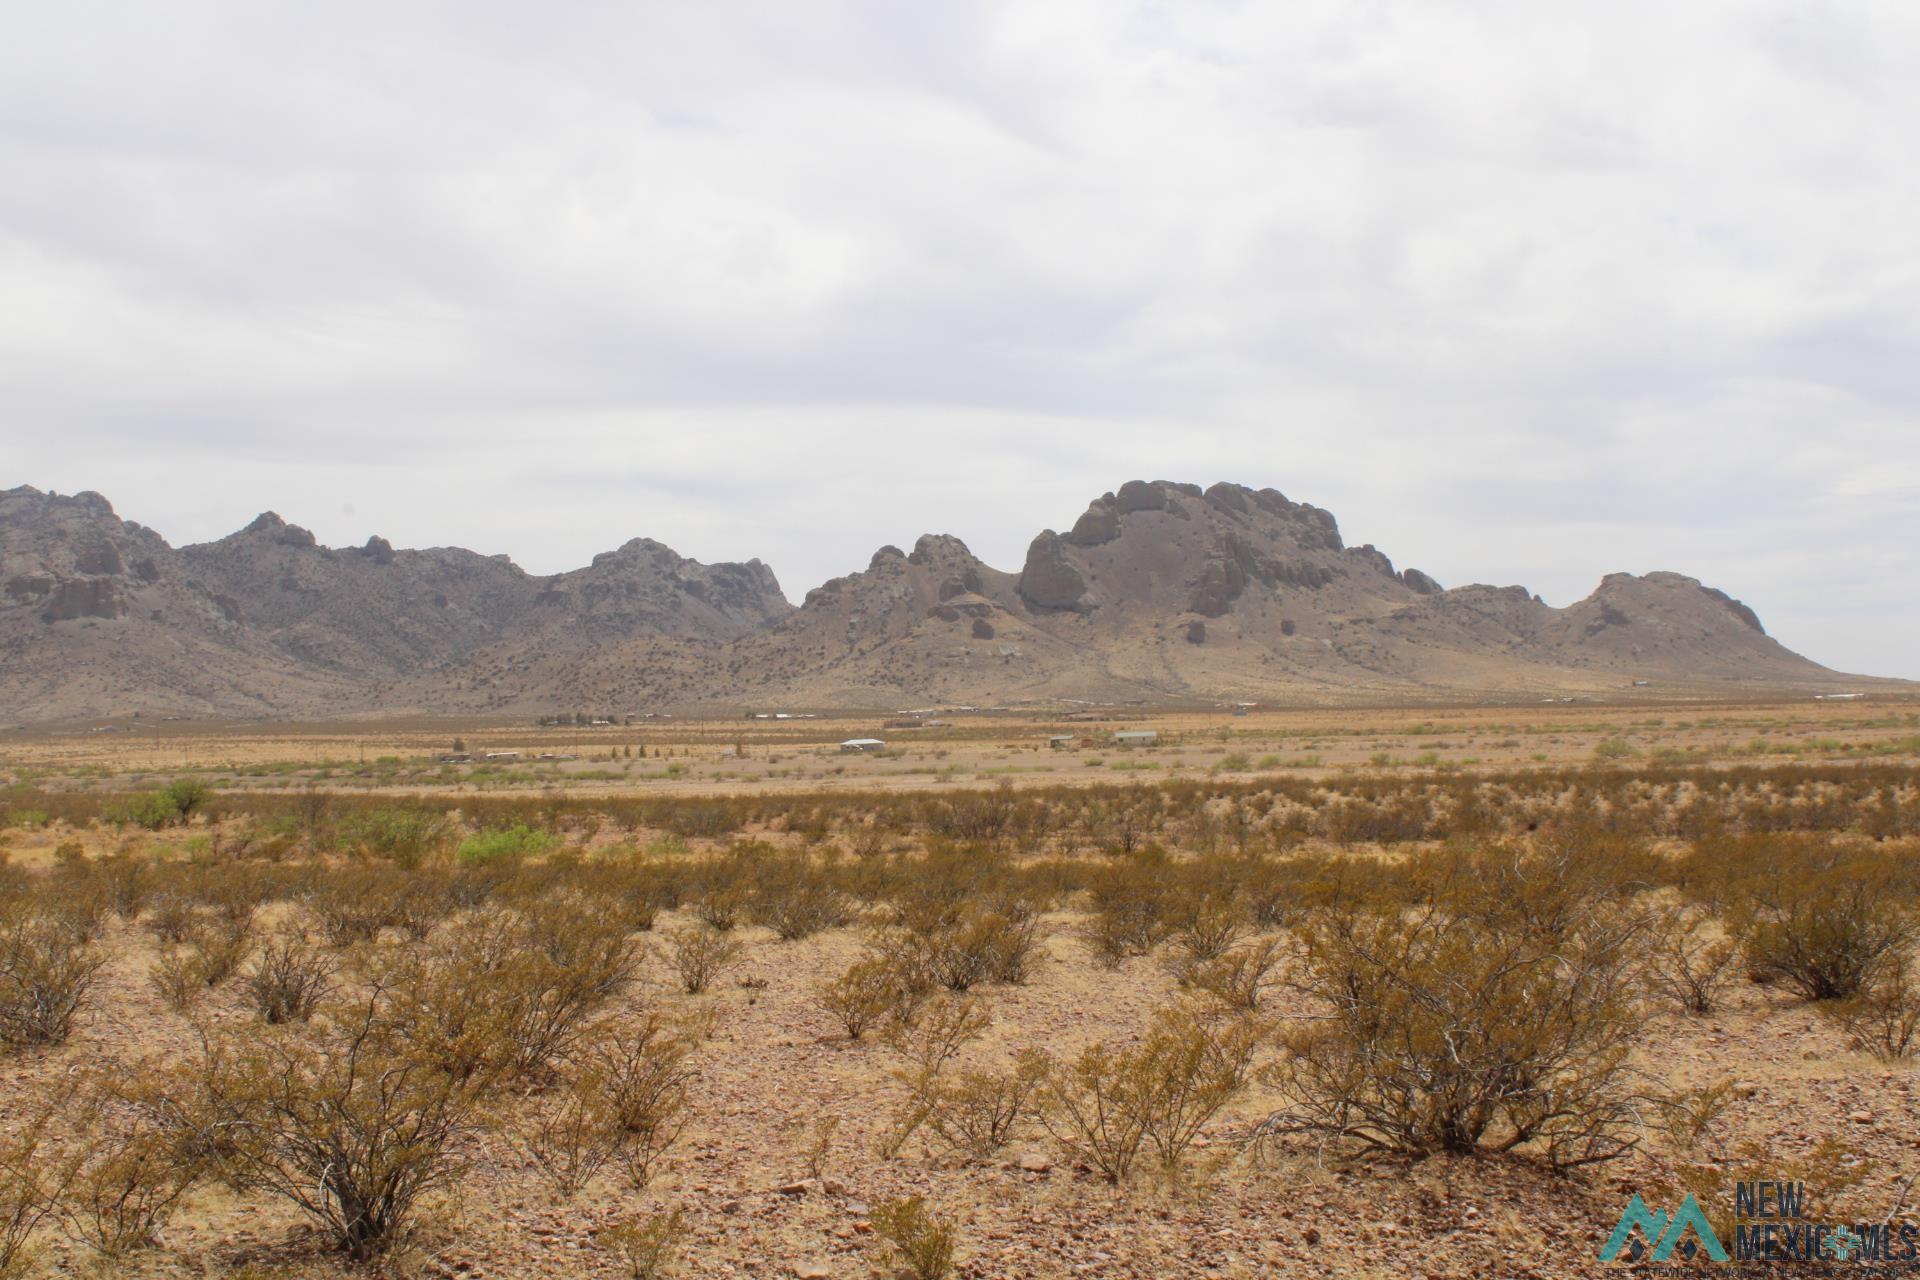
1159	591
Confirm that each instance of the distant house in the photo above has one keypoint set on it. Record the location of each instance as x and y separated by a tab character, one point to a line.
854	745
1062	741
1136	738
501	755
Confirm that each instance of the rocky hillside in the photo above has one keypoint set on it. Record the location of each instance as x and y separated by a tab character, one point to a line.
1158	592
100	615
1167	592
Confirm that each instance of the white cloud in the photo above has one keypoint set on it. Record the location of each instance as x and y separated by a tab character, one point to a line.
1522	293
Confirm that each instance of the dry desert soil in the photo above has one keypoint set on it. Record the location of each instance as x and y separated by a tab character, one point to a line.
780	1168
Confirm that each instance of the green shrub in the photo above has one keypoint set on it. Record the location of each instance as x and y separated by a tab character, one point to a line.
505	842
187	796
407	836
152	811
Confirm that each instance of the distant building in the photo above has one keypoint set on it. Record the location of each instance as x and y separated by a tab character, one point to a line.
854	745
1061	741
501	755
1136	738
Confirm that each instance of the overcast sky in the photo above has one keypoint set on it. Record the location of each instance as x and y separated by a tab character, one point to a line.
1522	292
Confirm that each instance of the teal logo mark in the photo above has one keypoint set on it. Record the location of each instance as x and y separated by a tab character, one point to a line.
1666	1232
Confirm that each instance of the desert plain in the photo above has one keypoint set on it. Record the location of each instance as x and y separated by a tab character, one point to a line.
1098	989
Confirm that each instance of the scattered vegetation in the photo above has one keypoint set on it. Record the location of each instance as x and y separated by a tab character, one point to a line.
384	991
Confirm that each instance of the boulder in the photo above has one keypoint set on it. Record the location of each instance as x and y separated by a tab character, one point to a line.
1138	495
1049	580
1420	583
1100	524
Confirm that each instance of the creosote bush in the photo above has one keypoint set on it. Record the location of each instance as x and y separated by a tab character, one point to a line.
1239	977
795	899
1110	1104
1496	1011
135	1169
647	1247
1686	964
975	944
927	1043
179	979
506	992
1455	1000
222	943
342	1118
976	1111
1884	1019
871	990
1827	924
699	955
641	1080
33	1182
46	971
288	981
921	1240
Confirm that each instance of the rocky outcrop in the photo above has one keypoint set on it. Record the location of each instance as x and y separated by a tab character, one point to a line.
83	598
1049	580
1100	523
